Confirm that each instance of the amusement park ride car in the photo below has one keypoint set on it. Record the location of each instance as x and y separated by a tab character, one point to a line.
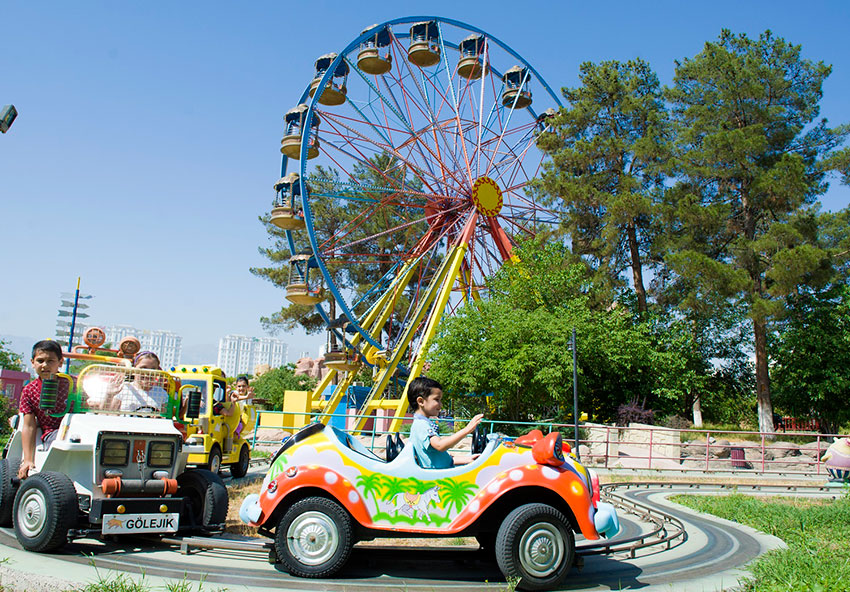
522	499
109	472
222	436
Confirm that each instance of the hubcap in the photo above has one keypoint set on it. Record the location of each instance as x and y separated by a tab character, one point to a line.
215	463
312	538
32	513
541	549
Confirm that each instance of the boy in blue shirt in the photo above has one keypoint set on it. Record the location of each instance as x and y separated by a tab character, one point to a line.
425	397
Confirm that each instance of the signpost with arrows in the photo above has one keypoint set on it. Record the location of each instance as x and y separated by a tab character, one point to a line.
71	309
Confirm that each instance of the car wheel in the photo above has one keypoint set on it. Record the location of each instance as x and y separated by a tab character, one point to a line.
205	499
536	546
240	469
314	538
8	470
214	459
45	510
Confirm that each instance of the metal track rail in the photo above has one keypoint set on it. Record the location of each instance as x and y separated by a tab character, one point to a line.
666	529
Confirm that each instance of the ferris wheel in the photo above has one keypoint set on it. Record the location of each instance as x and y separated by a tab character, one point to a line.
405	186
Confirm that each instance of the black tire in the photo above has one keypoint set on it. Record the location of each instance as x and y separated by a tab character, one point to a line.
8	471
205	498
240	469
214	459
45	510
535	545
314	538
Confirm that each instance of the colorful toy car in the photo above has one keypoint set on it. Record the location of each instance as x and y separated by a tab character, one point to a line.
521	499
109	472
221	425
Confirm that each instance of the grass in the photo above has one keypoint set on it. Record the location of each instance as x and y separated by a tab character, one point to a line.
236	493
816	532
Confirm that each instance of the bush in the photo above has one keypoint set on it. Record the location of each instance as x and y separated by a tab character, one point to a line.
634	412
677	422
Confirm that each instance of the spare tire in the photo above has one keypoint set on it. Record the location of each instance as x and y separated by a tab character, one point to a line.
205	500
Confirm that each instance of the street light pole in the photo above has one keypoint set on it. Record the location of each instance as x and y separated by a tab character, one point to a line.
575	393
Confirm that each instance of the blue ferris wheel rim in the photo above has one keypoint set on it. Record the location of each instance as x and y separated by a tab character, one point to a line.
307	121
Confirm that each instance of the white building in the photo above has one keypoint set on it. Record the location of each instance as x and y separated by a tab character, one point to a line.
240	354
167	345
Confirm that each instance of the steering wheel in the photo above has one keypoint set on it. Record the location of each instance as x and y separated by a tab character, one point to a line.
479	441
146	408
392	448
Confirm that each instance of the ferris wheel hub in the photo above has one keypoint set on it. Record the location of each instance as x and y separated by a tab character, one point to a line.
487	196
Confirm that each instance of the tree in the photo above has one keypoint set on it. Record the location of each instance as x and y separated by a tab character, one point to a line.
607	150
272	385
811	374
750	161
9	360
338	222
515	346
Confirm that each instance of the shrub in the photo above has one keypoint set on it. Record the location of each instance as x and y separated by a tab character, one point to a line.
634	412
677	422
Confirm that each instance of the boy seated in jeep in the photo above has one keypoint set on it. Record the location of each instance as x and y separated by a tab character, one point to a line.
46	360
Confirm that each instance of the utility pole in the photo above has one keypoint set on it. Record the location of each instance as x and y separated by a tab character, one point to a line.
575	393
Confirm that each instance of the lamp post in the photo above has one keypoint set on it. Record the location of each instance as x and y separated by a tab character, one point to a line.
8	113
575	392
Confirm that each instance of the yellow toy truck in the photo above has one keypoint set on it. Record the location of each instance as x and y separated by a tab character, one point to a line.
221	425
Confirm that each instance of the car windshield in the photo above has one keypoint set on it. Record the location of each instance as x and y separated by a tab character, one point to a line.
202	386
118	389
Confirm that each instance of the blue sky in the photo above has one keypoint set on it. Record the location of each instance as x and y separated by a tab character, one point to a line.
148	133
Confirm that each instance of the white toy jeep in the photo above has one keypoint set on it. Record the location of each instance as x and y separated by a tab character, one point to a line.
115	467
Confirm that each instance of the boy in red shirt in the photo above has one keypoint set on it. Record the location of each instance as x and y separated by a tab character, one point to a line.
46	360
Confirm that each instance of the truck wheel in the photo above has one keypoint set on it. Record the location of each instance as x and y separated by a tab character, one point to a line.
535	545
214	464
205	500
314	538
240	469
8	470
45	510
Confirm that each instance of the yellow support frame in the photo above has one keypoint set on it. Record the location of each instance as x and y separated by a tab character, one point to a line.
440	290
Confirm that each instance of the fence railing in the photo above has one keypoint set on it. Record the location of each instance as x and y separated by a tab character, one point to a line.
637	447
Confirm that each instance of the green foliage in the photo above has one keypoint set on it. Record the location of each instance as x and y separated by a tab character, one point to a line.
607	150
811	374
816	533
271	385
749	158
517	345
10	360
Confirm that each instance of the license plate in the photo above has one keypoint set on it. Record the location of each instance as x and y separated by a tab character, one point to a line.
135	523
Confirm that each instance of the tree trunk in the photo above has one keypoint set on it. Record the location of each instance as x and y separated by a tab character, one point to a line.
765	409
637	271
697	407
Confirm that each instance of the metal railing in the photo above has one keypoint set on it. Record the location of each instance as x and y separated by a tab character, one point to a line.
653	448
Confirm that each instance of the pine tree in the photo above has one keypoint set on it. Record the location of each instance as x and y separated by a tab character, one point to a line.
608	147
750	160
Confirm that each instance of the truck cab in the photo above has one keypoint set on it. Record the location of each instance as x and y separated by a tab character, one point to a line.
220	428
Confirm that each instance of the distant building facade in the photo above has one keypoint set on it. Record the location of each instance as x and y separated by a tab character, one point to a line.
167	345
240	354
